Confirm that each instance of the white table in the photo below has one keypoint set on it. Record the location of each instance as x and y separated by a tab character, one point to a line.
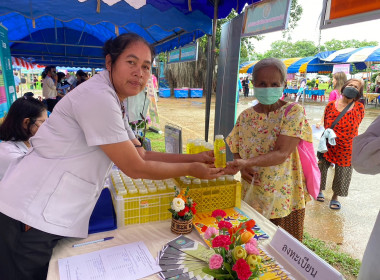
154	235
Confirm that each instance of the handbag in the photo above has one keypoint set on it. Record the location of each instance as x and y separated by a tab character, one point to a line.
319	154
309	163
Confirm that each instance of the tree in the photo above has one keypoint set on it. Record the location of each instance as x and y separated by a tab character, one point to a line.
286	49
335	45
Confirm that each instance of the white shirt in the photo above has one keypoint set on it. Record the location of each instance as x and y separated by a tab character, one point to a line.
9	151
49	89
55	187
17	80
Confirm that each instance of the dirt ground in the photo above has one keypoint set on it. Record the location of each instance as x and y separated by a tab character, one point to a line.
350	227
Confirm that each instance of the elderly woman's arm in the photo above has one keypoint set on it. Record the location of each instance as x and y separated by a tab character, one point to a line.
285	145
366	150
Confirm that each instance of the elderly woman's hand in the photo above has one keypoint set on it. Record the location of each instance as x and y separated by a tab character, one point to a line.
234	167
248	174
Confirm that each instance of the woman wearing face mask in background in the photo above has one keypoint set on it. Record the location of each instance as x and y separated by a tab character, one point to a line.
346	129
264	143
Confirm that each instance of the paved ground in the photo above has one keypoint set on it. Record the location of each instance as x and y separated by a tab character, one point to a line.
350	227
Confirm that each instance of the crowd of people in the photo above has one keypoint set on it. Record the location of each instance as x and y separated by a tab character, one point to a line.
65	158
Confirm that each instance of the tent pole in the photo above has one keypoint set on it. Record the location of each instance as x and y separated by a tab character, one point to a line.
210	68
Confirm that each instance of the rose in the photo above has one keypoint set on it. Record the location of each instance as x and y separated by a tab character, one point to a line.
218	214
242	269
239	253
184	211
253	261
178	204
224	225
210	232
221	241
193	208
246	236
253	241
251	249
216	261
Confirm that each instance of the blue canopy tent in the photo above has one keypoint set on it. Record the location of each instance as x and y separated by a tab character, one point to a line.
71	33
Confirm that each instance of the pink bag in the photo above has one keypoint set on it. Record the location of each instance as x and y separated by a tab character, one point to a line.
309	163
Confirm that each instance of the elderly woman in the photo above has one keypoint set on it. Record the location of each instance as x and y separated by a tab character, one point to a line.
264	143
346	129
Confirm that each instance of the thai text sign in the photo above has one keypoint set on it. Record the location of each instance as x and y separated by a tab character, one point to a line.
266	17
302	259
174	56
186	53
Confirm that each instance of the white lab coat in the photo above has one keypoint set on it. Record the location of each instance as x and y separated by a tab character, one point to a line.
9	151
54	188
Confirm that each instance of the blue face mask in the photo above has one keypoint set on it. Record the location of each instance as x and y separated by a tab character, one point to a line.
268	95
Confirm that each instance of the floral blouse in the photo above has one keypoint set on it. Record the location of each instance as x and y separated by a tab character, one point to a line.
276	190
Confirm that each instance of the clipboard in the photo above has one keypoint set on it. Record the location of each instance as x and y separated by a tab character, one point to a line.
173	139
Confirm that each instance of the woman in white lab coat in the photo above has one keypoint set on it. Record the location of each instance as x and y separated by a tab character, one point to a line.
54	188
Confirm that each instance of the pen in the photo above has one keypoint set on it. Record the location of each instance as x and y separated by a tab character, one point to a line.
92	242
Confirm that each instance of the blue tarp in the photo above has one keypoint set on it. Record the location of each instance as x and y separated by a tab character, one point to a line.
73	32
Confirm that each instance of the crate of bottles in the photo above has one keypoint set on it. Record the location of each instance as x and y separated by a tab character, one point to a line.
221	193
164	92
138	201
196	92
181	92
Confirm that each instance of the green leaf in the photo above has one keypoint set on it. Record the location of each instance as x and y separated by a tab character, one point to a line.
217	273
227	266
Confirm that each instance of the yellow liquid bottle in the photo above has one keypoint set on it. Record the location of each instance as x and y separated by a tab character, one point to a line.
196	183
190	147
220	152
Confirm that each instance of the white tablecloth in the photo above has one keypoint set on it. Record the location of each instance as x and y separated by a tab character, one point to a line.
154	235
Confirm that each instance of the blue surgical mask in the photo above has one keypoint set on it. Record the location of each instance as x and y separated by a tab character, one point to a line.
268	95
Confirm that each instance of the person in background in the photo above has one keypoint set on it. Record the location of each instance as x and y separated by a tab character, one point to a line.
49	88
346	129
317	83
62	86
264	143
246	87
17	81
338	81
377	83
81	77
22	121
366	160
51	192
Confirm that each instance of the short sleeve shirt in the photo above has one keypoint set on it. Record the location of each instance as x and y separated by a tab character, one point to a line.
9	151
346	129
281	188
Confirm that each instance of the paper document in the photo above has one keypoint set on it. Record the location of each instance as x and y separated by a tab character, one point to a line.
317	132
129	262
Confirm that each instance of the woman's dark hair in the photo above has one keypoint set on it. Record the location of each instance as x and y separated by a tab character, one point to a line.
115	46
361	89
46	71
60	76
12	126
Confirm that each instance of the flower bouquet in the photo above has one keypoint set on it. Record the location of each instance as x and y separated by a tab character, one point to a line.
236	254
183	210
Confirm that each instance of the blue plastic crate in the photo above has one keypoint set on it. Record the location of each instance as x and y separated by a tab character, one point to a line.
181	92
196	92
164	92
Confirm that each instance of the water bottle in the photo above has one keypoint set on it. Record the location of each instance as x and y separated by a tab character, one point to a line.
220	151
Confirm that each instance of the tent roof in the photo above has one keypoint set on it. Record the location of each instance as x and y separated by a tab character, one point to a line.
72	33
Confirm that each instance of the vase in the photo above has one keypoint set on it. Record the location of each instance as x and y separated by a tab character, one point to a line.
181	227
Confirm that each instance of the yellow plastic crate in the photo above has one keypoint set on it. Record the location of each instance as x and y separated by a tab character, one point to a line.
216	197
141	209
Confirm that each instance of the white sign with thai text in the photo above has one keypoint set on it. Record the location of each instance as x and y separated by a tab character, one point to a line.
303	259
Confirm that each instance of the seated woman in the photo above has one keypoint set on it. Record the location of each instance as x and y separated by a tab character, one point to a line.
24	118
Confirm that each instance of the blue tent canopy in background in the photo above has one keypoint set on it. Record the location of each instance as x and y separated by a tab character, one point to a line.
71	33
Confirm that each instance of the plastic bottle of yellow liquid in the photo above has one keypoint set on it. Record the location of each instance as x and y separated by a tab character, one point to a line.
196	183
198	148
220	152
204	183
190	146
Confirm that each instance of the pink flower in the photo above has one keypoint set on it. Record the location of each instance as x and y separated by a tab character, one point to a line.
251	249
210	232
224	225
253	241
242	269
221	241
216	261
218	213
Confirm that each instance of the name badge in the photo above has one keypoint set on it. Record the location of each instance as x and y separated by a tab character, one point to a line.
302	258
